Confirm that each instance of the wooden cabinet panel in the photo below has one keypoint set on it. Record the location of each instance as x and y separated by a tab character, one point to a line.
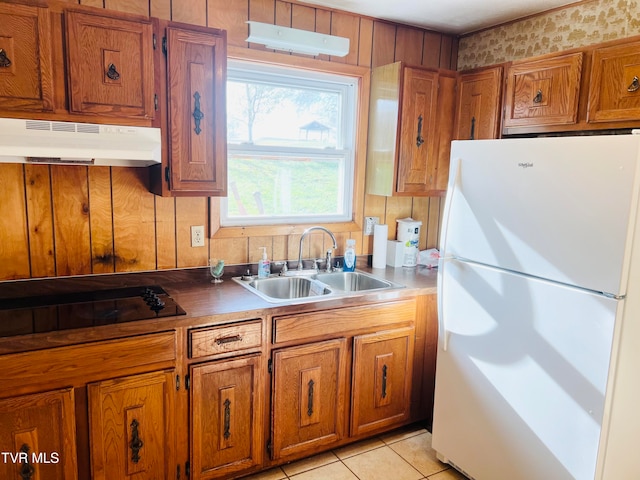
342	321
417	126
614	88
196	71
78	364
479	104
26	77
308	397
544	91
225	339
131	427
382	371
41	428
110	64
407	129
226	417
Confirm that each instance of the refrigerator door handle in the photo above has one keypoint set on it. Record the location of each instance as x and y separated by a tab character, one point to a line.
441	317
453	186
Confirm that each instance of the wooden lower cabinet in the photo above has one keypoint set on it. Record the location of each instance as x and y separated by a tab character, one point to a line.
226	417
131	422
37	436
308	397
382	372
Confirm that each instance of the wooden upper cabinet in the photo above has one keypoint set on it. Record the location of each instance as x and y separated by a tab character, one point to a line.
26	76
110	64
544	91
131	427
417	130
226	417
196	77
410	125
42	424
382	371
479	104
614	88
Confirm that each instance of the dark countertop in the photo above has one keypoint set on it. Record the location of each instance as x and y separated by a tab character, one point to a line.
204	302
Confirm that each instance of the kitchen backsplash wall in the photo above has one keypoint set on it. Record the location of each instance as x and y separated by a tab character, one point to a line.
579	25
61	220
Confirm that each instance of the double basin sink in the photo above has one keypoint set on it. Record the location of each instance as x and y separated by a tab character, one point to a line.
315	286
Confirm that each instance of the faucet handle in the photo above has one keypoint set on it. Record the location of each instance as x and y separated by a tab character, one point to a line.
284	268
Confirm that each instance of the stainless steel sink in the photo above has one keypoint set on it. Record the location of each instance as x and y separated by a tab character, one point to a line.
286	288
353	281
315	286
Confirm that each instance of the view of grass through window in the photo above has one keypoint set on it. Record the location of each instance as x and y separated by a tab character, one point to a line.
290	143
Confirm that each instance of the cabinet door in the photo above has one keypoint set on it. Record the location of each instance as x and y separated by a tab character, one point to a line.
196	70
308	397
478	106
131	427
418	145
614	88
110	65
37	436
226	417
543	92
382	369
26	77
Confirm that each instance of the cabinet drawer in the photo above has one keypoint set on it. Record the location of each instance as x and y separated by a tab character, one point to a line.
228	338
343	321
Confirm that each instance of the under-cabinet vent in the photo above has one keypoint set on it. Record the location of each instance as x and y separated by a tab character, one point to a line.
71	143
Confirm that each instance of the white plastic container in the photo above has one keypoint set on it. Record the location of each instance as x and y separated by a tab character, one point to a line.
409	235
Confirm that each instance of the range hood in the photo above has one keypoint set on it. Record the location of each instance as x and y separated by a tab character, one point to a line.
68	143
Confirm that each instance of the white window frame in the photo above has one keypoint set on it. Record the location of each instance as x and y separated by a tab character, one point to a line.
349	88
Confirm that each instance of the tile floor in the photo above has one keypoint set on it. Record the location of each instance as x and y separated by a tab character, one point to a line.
403	454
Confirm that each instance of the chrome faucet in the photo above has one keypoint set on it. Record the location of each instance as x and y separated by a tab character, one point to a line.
329	251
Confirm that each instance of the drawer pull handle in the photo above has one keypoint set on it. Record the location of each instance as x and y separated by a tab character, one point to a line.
473	128
4	60
635	85
384	381
197	113
223	340
419	138
26	470
227	419
112	72
310	398
538	97
136	443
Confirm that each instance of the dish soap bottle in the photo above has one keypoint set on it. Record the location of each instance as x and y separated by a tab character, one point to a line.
264	265
350	256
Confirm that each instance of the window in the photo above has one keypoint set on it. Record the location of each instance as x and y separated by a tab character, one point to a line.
291	136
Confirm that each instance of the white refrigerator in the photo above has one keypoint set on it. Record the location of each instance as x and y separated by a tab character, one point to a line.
538	364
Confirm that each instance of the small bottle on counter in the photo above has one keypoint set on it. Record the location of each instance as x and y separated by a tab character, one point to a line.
350	256
264	265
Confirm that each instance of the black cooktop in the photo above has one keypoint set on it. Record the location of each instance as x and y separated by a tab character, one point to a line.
48	313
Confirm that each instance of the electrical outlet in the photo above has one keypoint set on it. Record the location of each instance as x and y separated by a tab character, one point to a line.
197	236
369	222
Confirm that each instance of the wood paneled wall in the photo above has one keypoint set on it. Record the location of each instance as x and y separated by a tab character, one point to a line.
61	221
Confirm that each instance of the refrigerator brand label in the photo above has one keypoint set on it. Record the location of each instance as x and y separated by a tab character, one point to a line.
525	164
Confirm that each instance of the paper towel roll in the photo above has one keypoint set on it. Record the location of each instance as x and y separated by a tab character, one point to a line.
380	234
